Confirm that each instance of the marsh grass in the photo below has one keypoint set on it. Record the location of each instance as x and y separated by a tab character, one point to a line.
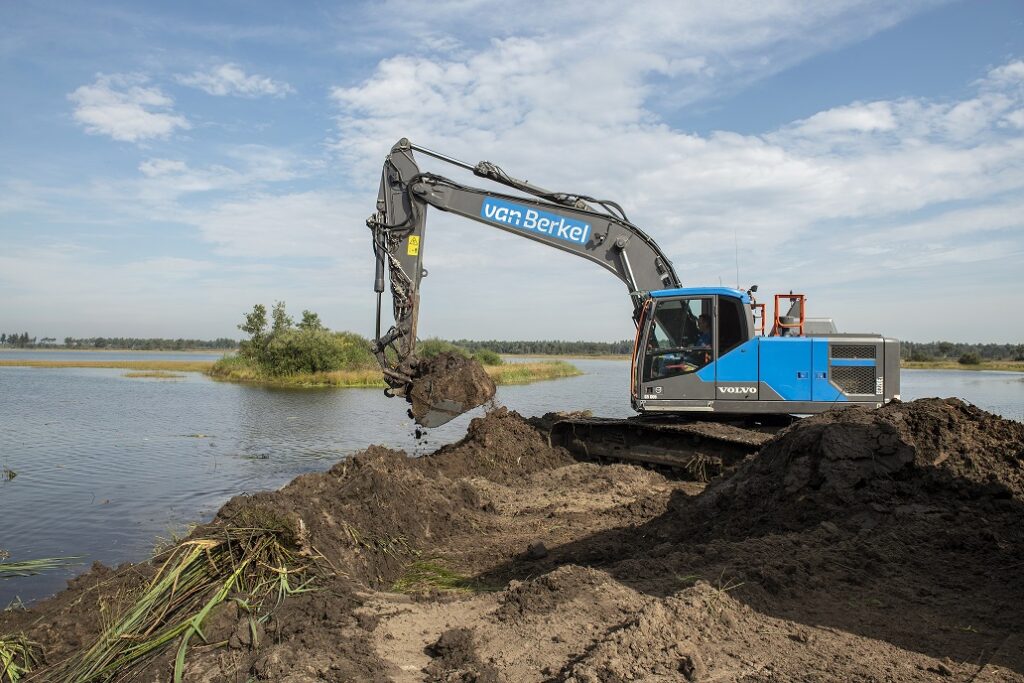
236	369
166	365
258	566
18	657
154	374
524	373
429	575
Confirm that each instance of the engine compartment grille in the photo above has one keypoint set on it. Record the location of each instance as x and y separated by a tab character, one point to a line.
854	379
853	351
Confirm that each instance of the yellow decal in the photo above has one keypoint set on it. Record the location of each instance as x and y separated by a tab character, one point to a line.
414	245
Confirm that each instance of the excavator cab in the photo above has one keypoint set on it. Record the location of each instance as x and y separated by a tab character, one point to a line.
682	334
698	349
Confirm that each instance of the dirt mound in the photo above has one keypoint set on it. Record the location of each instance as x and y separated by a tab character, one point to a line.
501	446
853	461
963	440
446	386
455	660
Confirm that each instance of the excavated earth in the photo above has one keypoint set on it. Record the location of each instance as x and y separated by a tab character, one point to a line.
445	386
858	545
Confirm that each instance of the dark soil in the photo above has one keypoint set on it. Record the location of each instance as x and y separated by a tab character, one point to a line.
446	386
859	545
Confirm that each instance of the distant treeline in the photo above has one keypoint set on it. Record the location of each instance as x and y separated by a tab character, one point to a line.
21	340
155	344
24	341
941	350
915	351
566	348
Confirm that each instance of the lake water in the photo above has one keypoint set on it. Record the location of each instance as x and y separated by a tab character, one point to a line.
106	464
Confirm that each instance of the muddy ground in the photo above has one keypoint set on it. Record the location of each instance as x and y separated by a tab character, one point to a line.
859	545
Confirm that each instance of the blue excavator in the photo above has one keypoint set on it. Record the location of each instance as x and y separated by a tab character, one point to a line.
709	364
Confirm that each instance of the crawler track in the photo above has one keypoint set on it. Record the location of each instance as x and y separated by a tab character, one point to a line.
695	449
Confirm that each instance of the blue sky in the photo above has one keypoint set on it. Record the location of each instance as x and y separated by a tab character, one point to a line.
168	166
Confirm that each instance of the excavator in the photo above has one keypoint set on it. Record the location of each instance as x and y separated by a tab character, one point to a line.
709	379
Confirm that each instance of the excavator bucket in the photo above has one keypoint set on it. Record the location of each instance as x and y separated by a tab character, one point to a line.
445	387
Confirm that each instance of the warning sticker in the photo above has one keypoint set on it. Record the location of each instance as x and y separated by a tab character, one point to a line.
414	245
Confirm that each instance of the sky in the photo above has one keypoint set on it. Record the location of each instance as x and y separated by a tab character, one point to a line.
165	166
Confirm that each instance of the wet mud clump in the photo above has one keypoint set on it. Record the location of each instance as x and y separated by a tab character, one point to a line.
446	386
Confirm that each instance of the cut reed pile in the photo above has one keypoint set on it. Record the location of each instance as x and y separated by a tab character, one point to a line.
18	656
256	566
32	567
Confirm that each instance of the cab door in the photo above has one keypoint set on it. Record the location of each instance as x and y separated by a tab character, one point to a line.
678	343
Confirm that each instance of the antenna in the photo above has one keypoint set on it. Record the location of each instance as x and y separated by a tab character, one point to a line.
736	244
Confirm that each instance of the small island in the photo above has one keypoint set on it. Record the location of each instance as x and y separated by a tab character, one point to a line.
280	351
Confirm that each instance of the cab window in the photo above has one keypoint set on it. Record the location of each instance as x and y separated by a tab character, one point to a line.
732	324
679	340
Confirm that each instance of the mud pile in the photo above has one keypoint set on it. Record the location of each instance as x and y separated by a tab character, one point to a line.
857	464
446	386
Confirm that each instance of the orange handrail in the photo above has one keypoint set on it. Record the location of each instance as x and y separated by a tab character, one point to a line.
779	325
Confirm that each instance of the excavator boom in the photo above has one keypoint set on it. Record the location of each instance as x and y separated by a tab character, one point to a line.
592	229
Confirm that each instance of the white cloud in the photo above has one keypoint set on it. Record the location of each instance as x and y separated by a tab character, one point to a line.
1007	74
122	107
231	79
861	118
301	224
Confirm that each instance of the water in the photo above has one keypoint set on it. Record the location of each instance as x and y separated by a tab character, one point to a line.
63	354
107	464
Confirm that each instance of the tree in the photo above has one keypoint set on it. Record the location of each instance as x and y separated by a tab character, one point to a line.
310	321
256	327
281	321
3	338
970	358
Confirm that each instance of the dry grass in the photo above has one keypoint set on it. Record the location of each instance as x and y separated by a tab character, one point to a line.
524	373
510	373
140	365
994	365
424	576
569	356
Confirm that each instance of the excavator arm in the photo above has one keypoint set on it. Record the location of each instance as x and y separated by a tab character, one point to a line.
589	228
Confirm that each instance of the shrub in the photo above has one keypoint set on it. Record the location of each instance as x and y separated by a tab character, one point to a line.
315	350
970	358
428	348
287	349
487	357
